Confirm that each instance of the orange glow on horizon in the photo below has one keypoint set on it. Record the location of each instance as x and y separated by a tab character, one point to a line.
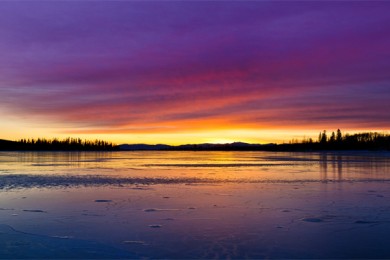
189	131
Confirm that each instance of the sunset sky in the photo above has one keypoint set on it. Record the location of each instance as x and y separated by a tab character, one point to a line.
193	71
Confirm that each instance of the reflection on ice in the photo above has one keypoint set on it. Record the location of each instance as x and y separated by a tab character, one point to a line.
220	165
252	166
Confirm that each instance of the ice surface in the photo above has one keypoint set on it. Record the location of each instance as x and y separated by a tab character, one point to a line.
111	205
21	245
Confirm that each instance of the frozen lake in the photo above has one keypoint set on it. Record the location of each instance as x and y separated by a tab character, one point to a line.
194	205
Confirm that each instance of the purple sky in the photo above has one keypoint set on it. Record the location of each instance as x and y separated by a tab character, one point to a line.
131	67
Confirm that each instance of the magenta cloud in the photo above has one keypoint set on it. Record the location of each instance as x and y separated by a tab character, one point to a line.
124	65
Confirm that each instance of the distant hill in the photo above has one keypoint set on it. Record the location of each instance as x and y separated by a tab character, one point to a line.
236	146
7	145
373	141
2	141
143	147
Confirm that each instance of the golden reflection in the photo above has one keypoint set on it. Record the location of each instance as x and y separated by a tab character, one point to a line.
232	166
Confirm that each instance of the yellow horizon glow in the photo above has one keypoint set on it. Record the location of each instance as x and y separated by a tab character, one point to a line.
216	136
11	129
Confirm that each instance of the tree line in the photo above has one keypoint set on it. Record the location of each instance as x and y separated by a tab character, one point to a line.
339	141
55	144
334	141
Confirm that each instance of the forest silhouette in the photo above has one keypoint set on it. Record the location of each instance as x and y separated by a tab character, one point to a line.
338	141
67	144
326	142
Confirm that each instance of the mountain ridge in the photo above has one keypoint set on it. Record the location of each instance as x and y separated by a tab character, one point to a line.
202	146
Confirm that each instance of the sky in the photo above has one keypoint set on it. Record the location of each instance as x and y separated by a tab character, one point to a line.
193	71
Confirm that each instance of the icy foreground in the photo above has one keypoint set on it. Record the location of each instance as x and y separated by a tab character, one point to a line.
119	206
